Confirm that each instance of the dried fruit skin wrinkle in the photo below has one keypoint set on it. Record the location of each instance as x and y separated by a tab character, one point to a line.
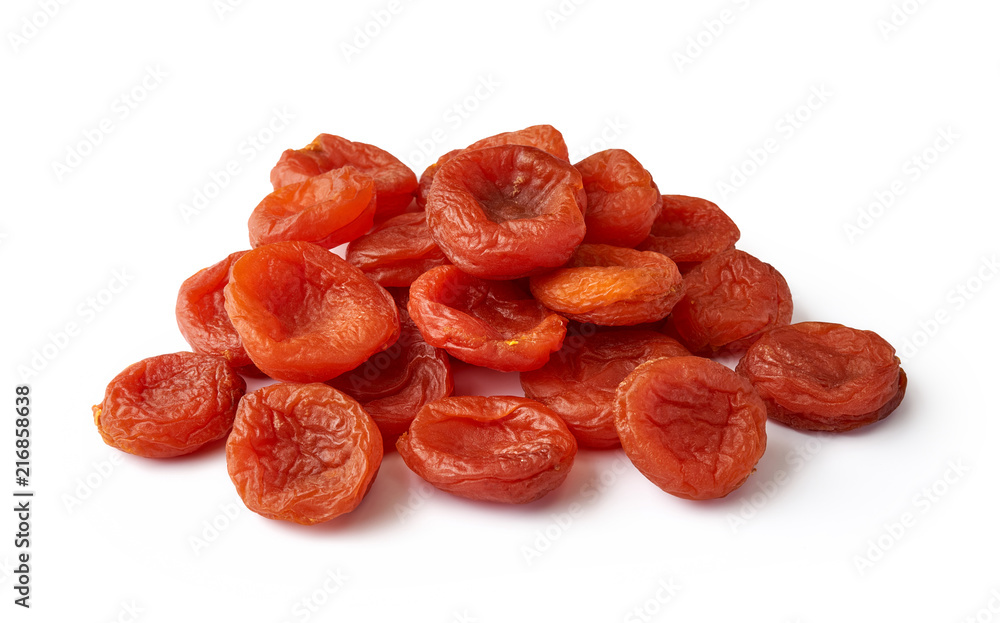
691	426
304	453
689	230
579	382
497	449
824	376
398	251
201	314
304	314
507	212
622	199
169	405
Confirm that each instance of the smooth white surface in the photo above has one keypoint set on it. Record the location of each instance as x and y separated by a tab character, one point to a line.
609	69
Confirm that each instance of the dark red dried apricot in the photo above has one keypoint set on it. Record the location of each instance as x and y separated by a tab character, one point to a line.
397	251
169	405
691	426
507	212
730	300
622	200
494	324
395	183
302	452
580	380
201	314
689	230
304	314
611	286
497	449
824	376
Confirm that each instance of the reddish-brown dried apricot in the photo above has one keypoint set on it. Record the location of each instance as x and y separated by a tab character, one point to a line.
169	405
507	212
497	449
690	425
395	183
622	200
611	286
393	385
690	230
730	300
579	381
494	324
328	209
306	315
544	137
397	251
302	453
824	376
201	314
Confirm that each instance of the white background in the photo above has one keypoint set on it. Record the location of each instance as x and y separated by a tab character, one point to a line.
114	534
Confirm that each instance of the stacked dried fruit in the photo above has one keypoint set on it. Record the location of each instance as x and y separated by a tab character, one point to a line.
490	257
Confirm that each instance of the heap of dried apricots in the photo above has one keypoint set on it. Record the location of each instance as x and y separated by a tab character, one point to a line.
494	256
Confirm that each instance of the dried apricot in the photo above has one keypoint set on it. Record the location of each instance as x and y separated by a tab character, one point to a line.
302	452
730	300
201	314
169	405
397	251
507	212
328	209
395	183
622	199
824	376
691	426
497	449
689	230
612	286
579	381
306	315
494	324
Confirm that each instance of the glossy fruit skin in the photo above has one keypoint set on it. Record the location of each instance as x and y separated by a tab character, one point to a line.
201	314
507	212
398	251
503	449
304	453
306	315
395	183
689	230
392	386
328	209
730	300
493	324
823	376
692	426
622	199
611	286
169	405
544	137
580	380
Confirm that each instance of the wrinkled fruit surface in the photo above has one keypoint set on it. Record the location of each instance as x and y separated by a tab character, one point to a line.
395	183
507	212
169	405
496	449
392	386
824	376
691	426
201	314
302	452
579	382
398	251
611	286
622	200
494	324
328	209
729	301
689	230
306	315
